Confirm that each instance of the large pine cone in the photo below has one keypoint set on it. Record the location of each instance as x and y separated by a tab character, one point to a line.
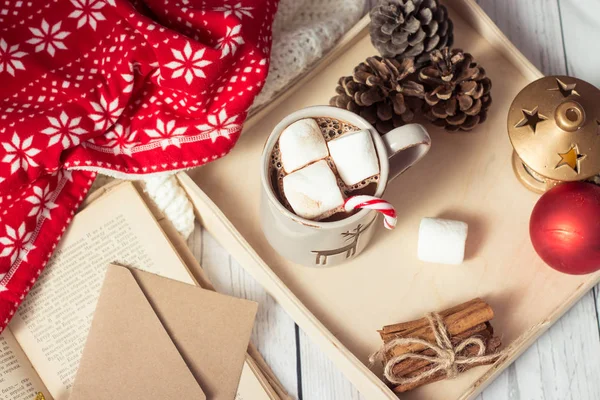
381	92
410	28
457	91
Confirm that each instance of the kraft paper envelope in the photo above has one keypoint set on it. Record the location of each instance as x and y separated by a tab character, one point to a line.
152	337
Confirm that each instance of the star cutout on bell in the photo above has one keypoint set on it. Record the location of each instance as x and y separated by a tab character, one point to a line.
566	89
531	118
572	158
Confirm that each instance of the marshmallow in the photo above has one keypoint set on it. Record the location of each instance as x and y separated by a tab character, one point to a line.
300	144
354	156
442	241
312	191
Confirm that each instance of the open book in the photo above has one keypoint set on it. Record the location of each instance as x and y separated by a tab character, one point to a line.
41	348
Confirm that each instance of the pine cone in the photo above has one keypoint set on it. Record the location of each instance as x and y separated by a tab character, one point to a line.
457	91
381	92
410	28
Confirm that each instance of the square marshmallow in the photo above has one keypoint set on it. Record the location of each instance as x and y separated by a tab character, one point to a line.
442	241
312	191
300	144
354	156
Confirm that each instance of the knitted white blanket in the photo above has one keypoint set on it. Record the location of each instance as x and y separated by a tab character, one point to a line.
303	31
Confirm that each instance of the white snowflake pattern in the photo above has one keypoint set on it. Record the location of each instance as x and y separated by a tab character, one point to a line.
64	130
106	114
120	139
220	125
87	12
15	243
42	202
237	9
229	43
20	153
129	79
48	37
188	63
166	134
10	58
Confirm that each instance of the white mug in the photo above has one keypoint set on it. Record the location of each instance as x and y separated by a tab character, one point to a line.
318	244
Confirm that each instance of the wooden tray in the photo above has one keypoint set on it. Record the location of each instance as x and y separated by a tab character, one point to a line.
466	176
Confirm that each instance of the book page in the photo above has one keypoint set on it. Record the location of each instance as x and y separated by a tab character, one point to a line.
53	322
18	380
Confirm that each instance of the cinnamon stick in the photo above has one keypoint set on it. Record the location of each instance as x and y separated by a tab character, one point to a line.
482	331
463	318
406	327
492	346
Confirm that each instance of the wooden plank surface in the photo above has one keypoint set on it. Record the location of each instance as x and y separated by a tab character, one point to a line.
558	37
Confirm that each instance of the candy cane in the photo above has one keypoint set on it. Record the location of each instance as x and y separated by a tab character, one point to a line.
373	203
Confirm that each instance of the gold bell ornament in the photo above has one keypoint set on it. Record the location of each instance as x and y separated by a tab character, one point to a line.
554	127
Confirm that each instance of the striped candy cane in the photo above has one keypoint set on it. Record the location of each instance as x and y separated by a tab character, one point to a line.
373	203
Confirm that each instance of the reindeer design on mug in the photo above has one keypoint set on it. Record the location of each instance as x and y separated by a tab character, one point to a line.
349	249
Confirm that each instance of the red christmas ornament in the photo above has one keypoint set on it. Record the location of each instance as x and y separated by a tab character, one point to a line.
565	228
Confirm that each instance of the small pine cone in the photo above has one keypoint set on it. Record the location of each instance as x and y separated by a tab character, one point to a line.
410	28
457	91
380	90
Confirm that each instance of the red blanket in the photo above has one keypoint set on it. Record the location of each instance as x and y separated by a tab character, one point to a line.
125	87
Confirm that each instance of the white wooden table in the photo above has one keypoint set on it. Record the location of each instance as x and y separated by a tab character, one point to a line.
559	37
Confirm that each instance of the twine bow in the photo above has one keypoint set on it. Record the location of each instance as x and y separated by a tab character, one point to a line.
447	357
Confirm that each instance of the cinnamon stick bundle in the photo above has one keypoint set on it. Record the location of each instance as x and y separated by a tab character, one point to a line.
464	321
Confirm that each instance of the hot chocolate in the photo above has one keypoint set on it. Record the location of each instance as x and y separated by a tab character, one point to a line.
315	193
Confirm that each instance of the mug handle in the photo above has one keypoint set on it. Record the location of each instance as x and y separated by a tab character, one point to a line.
406	146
